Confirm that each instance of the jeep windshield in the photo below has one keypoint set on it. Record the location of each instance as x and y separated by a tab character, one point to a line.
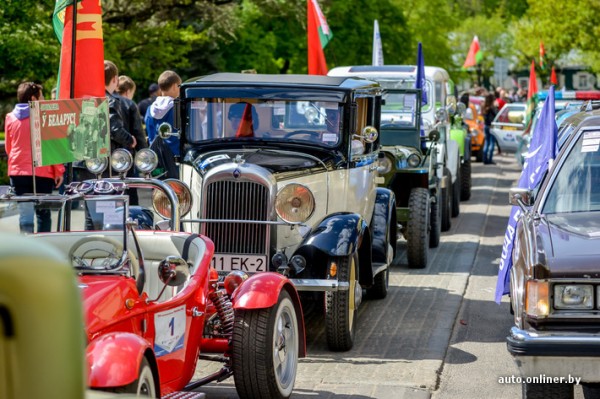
399	111
408	83
247	120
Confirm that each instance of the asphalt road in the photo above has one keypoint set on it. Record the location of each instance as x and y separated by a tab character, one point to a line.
438	334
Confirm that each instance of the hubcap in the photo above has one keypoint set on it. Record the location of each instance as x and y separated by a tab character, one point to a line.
285	346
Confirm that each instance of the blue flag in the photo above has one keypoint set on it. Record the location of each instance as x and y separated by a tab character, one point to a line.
542	149
420	80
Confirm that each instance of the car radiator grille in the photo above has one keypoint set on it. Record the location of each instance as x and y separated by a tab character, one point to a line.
236	200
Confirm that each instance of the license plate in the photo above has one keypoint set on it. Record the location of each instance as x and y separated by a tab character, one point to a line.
509	128
246	263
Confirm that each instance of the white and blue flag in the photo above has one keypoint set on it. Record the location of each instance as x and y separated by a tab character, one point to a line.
542	149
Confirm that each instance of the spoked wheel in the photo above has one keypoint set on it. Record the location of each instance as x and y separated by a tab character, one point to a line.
341	307
265	350
145	386
547	391
417	232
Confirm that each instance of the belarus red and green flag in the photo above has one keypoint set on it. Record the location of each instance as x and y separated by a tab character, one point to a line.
318	37
475	55
88	47
532	92
542	57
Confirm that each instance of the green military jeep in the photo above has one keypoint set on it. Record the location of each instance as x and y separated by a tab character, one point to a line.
408	166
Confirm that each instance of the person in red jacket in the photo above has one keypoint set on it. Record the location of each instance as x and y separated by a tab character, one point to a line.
20	164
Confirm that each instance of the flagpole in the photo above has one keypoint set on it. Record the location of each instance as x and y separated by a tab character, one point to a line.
71	95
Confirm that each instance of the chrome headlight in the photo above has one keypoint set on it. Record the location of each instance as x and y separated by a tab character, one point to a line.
121	160
573	296
385	165
537	298
96	165
146	160
414	160
295	203
161	202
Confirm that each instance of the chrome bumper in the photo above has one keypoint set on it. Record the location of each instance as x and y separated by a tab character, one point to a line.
555	354
303	284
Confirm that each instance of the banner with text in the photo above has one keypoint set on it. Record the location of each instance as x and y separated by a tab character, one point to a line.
69	130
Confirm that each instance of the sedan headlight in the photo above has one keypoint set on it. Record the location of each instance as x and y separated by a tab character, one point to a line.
573	296
414	160
295	203
161	202
537	298
385	165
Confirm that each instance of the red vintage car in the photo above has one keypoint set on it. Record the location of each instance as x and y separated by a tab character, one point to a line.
152	302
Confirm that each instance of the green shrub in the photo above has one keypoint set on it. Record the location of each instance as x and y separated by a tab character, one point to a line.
3	171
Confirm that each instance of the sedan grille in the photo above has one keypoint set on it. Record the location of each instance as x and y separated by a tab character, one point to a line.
237	200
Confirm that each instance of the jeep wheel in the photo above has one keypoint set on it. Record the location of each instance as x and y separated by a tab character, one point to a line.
381	283
547	391
435	220
456	194
446	201
265	350
465	181
341	307
417	231
145	386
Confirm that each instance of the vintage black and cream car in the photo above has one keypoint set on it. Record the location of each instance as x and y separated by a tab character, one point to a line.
283	171
555	279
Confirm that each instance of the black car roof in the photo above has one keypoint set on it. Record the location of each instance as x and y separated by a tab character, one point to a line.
342	82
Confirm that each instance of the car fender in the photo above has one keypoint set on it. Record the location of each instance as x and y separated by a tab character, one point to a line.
453	158
338	234
383	220
262	290
458	135
114	359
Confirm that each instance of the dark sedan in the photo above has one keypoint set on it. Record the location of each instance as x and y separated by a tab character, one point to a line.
555	279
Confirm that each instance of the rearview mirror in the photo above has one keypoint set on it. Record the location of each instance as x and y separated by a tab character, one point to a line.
520	196
434	135
173	271
165	130
369	134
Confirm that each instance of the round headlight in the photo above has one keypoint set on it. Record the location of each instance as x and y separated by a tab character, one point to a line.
385	165
295	203
414	160
161	202
121	160
146	160
96	165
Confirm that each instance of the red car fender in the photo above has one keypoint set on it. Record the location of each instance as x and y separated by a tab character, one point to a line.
262	291
114	359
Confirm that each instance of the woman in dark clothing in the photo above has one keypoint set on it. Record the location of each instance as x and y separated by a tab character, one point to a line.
489	113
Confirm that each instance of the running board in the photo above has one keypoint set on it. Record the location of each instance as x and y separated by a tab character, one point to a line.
185	395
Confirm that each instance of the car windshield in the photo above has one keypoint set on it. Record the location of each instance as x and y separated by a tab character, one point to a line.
575	185
511	113
407	83
399	111
250	119
100	213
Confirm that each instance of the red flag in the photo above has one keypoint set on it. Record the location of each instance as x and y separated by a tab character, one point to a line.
246	126
531	94
89	48
553	79
474	56
542	56
318	37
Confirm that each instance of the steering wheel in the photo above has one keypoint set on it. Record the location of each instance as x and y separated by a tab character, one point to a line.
310	133
117	249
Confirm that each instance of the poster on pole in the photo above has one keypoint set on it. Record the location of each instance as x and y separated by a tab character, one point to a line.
72	130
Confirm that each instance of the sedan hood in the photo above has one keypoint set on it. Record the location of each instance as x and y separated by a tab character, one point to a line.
572	243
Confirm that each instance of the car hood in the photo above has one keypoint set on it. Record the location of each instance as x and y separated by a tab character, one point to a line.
572	243
275	161
104	299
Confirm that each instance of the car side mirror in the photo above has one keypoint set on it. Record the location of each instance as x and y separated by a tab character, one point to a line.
461	108
369	134
434	135
173	271
165	130
521	197
441	115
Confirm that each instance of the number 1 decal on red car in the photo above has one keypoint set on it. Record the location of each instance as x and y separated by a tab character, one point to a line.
170	331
